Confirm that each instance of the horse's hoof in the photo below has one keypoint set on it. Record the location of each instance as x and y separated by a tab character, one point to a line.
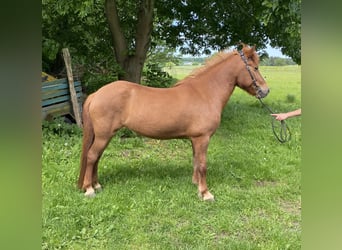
90	193
98	187
211	198
208	197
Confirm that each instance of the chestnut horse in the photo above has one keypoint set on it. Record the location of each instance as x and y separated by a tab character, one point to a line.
190	109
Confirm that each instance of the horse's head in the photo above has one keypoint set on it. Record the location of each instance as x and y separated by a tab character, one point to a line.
249	77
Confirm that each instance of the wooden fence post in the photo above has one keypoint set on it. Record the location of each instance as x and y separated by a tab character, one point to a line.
75	106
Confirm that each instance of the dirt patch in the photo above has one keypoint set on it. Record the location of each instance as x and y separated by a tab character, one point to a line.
294	208
266	183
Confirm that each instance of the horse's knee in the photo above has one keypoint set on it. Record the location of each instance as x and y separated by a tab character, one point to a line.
91	158
202	170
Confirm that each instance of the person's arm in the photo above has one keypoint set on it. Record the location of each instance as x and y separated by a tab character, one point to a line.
283	116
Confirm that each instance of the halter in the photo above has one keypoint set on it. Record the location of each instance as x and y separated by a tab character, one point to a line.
284	132
254	81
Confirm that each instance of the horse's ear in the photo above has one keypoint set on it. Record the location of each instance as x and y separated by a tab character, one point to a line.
243	45
248	51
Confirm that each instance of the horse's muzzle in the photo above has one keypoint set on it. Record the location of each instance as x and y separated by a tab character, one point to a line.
261	93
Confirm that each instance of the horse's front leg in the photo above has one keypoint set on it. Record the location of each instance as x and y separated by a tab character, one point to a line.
200	147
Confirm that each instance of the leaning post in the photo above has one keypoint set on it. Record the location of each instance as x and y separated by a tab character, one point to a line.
75	105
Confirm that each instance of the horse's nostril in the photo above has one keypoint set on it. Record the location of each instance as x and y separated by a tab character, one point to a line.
261	93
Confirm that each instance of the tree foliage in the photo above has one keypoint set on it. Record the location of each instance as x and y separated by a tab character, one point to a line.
143	27
282	21
79	25
201	26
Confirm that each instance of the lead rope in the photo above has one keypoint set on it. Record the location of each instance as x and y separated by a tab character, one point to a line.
284	132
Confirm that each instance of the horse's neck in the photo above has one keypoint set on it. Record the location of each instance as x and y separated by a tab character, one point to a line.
218	83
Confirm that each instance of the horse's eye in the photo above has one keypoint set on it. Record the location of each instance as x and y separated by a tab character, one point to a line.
256	68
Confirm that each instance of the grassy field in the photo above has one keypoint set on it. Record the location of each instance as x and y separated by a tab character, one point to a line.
148	200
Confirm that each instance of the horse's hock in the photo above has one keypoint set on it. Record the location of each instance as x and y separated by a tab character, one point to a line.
56	98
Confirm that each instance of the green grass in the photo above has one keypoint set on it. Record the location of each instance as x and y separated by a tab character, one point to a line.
179	72
149	202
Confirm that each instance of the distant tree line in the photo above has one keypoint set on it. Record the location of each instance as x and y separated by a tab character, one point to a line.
265	61
192	60
276	61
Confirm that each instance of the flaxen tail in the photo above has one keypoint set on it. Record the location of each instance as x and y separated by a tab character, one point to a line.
88	139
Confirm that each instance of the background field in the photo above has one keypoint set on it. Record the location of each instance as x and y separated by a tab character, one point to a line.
149	202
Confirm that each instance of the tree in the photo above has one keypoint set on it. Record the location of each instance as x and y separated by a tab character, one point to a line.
201	26
130	29
132	63
282	21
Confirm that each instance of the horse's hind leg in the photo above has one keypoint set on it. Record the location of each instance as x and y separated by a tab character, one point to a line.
93	157
96	184
200	147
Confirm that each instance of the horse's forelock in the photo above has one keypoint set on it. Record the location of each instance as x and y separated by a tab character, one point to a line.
250	53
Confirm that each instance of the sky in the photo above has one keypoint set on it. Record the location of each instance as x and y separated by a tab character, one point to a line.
274	52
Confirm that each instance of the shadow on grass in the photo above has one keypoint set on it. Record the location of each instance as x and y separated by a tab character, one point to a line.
238	174
145	170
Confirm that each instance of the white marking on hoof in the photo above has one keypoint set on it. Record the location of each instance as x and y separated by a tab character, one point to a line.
207	196
90	192
98	187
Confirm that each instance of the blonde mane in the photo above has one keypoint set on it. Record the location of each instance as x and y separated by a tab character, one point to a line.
211	62
218	58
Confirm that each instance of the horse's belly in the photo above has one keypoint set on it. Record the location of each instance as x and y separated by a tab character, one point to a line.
172	125
161	128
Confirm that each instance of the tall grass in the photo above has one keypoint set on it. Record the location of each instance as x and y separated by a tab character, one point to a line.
149	202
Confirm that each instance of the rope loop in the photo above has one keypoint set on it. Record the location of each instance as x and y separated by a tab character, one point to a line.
284	133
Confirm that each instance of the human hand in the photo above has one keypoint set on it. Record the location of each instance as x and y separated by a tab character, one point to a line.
280	116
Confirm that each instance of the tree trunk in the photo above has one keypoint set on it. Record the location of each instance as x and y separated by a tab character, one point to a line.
132	65
133	68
